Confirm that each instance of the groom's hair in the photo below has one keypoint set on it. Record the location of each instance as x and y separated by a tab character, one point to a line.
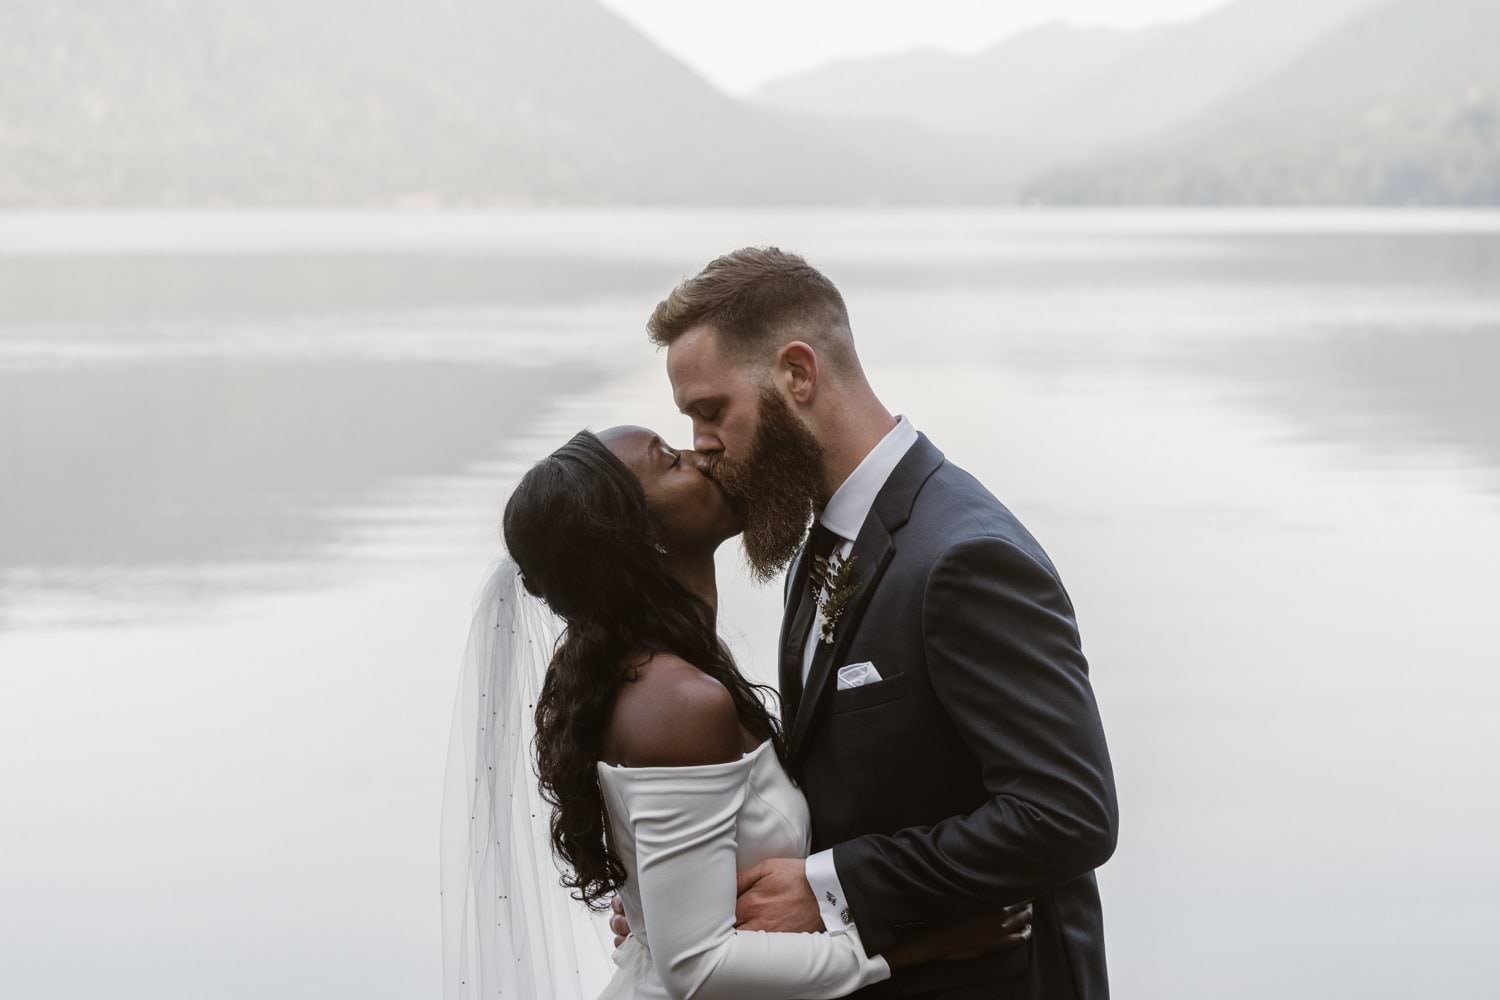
759	298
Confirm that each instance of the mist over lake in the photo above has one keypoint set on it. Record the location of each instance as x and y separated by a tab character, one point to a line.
253	472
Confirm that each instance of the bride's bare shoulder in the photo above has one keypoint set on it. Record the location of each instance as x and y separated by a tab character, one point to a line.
672	715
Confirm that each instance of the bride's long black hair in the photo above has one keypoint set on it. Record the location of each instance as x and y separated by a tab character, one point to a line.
586	543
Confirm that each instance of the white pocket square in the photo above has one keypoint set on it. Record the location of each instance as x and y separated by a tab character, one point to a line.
857	674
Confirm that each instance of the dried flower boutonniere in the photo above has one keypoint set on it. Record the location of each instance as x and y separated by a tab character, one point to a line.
833	584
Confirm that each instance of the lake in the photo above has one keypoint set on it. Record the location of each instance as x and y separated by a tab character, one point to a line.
253	466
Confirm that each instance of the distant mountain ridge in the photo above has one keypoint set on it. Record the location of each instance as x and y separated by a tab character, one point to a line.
263	102
202	103
1400	105
999	89
1186	68
1073	90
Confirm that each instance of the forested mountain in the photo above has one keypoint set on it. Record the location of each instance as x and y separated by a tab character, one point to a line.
506	102
1399	106
162	102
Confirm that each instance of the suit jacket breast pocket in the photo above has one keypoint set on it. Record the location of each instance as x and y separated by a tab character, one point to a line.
881	692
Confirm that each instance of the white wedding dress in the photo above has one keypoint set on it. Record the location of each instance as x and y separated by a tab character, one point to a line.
682	833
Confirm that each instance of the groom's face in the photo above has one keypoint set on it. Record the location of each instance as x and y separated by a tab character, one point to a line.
718	393
756	447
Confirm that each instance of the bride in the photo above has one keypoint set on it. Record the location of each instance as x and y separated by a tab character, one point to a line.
660	771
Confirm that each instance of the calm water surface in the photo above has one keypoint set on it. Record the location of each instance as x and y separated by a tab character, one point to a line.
253	467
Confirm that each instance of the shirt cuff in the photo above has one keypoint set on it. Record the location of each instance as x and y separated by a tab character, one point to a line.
833	906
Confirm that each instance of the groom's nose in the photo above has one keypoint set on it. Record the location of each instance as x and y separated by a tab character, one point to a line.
707	443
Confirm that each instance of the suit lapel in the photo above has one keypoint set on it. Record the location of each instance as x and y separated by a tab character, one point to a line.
872	553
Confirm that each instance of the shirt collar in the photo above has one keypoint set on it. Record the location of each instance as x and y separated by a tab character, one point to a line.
850	504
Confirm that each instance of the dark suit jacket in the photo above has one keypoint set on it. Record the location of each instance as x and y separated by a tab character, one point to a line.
975	773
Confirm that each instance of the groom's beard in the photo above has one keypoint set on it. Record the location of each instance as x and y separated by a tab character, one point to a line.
777	488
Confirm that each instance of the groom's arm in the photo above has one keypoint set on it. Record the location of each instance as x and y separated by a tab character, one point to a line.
1006	663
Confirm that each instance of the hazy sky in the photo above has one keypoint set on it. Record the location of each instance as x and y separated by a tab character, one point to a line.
741	45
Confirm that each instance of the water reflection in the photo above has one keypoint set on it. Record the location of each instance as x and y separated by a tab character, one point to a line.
189	389
1419	394
211	390
71	289
233	460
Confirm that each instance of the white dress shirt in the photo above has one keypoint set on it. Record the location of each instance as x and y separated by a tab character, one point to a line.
844	516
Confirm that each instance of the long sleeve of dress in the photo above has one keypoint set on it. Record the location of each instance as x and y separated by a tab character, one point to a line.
683	821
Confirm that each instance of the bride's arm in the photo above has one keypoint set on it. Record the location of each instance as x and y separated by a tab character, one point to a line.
682	809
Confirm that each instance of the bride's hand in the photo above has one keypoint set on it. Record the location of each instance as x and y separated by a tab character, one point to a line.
1008	927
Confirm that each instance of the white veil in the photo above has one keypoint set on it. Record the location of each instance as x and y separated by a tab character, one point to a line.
510	929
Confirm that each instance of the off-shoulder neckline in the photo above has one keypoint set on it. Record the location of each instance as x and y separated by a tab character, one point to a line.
749	754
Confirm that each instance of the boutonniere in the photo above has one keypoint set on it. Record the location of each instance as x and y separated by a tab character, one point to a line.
833	584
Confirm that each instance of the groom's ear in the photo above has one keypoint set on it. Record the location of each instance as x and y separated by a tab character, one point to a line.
797	371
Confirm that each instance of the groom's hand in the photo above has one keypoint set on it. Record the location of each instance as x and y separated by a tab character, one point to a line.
774	896
617	921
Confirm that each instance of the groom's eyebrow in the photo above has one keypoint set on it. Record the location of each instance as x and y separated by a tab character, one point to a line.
693	404
690	399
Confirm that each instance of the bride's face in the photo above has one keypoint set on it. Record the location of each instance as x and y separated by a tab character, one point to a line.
695	512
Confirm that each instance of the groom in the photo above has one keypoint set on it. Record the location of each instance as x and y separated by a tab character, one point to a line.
935	694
